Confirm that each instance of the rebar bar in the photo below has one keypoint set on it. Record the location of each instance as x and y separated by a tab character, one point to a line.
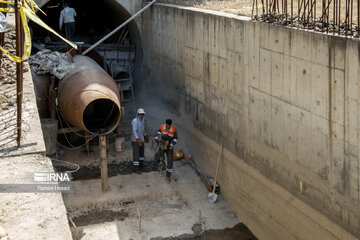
19	70
351	17
339	17
334	17
2	35
358	17
305	13
292	12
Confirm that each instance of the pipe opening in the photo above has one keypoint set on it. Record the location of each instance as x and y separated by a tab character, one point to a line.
122	76
101	116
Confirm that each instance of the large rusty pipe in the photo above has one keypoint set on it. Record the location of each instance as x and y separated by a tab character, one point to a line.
88	97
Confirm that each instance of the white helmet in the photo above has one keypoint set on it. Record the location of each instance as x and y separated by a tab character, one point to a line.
140	111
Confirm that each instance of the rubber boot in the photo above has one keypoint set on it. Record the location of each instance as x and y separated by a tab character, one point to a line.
136	170
168	179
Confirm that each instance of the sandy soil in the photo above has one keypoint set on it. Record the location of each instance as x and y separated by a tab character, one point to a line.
239	7
30	215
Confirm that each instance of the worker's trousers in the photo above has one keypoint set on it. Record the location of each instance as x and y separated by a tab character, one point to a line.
138	155
169	157
69	30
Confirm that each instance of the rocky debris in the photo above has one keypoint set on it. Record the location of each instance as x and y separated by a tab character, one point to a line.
8	67
8	72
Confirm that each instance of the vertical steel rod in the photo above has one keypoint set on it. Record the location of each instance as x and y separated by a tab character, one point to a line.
2	35
336	13
267	7
327	16
315	11
346	16
252	11
286	11
339	16
334	23
292	11
351	10
358	8
263	8
19	70
257	8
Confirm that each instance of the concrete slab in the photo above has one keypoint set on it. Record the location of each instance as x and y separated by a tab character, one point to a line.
30	215
166	209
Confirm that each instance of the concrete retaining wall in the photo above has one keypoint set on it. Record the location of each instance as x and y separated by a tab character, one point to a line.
285	104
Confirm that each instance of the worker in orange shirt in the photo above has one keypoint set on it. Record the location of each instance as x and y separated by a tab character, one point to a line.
167	136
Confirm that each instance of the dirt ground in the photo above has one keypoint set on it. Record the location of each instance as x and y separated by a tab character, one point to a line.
168	211
179	210
239	7
244	7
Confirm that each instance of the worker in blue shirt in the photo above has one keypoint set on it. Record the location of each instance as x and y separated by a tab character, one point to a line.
67	17
138	138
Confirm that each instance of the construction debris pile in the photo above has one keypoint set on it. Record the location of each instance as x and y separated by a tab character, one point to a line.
56	63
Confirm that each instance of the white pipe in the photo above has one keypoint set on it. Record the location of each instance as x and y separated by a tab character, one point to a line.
118	28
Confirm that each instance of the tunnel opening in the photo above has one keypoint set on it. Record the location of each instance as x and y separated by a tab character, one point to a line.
94	20
101	116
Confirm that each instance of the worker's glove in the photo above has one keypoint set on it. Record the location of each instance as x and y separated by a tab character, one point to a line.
146	139
139	141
